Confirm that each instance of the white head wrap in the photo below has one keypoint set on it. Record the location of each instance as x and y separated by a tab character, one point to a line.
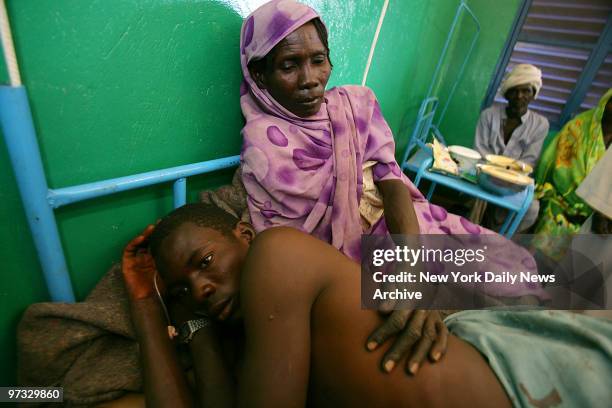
522	74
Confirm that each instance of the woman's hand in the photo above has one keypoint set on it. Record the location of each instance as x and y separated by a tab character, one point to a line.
138	267
420	331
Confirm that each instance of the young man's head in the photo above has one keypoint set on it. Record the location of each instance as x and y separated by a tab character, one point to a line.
199	251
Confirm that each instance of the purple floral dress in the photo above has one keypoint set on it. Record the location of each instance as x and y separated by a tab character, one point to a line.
306	173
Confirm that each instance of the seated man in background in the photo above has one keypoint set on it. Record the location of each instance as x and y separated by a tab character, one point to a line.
514	131
304	330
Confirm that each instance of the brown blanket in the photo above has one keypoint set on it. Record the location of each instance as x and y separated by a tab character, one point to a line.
89	348
231	198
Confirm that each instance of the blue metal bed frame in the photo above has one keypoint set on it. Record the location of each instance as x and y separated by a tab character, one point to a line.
428	110
40	201
425	126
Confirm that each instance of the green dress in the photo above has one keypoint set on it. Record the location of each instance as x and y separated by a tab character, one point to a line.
568	159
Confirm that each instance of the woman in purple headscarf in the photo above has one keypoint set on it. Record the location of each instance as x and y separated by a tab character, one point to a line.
305	148
323	161
320	161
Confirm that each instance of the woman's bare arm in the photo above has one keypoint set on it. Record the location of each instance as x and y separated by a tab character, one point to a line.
421	331
399	210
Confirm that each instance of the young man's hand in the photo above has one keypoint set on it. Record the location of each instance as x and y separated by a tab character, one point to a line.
138	267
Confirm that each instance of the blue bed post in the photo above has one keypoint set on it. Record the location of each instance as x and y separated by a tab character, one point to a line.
180	192
20	138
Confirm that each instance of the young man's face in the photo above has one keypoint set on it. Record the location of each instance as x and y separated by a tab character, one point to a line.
519	98
202	265
297	72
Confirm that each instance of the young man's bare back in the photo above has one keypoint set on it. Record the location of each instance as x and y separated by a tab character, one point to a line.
297	300
317	308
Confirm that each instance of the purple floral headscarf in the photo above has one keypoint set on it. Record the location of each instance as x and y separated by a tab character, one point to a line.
307	173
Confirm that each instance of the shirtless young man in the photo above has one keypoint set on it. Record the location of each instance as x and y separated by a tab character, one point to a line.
303	330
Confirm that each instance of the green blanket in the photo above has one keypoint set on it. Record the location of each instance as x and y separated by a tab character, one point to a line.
543	358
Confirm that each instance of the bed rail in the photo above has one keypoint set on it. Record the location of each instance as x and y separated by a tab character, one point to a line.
40	201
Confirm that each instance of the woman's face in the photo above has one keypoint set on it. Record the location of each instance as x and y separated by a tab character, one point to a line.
297	71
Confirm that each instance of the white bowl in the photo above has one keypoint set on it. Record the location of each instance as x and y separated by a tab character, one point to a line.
501	181
466	158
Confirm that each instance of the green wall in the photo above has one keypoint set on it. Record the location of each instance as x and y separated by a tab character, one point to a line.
119	87
410	45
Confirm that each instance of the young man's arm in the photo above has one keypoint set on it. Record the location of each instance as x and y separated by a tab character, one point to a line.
214	385
278	288
164	382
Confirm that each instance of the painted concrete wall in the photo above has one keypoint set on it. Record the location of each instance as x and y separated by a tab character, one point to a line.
410	46
119	87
